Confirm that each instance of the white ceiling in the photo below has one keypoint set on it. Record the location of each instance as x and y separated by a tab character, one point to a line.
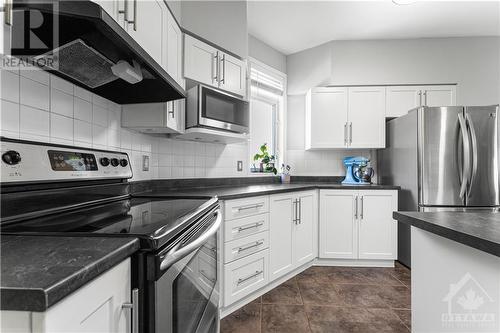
293	26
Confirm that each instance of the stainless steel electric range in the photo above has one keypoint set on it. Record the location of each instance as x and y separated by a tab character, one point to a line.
62	190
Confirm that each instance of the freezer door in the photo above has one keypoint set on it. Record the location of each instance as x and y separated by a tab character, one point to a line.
482	123
441	152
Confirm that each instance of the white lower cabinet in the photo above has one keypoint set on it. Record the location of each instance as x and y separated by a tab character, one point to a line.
358	224
95	307
291	231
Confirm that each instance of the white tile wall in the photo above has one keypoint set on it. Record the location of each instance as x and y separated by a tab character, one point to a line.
36	105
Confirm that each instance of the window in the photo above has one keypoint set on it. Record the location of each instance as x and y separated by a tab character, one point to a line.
267	107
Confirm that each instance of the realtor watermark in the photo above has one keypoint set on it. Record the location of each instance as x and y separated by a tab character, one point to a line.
470	307
33	35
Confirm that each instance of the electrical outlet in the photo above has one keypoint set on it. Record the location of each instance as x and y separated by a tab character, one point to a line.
239	165
145	163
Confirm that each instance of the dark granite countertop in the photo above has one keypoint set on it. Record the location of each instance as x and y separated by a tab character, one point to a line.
38	271
477	229
243	191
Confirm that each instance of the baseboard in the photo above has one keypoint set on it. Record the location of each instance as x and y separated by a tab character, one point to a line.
353	262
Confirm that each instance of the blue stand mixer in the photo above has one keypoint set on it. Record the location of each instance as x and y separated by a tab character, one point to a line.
358	171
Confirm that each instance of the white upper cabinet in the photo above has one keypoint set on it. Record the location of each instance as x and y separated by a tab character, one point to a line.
210	66
439	95
172	47
401	99
144	24
326	118
341	117
366	117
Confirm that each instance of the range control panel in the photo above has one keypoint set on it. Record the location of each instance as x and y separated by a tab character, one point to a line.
26	161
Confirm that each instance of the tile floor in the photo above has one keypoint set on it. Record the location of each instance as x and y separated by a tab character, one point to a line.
330	299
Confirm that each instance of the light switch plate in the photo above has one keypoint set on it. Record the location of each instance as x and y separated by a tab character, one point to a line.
239	165
145	163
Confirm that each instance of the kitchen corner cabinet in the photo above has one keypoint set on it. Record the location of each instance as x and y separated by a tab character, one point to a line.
96	307
172	47
212	67
155	117
345	117
358	224
292	231
401	99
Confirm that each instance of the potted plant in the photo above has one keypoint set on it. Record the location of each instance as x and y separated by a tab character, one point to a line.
266	160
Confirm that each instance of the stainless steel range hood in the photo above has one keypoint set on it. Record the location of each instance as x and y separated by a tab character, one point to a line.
83	43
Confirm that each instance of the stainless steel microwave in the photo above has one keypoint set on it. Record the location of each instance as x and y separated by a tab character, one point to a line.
210	108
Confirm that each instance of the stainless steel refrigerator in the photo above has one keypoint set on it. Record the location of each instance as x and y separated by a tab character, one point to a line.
444	158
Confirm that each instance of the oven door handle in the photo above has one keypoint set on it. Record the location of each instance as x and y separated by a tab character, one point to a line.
177	254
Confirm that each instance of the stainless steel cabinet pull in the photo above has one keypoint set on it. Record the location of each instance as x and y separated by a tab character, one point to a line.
257	273
241	249
356	209
362	207
345	134
134	21
256	225
7	12
134	306
425	98
171	109
420	97
250	207
350	133
205	275
295	213
216	59
223	76
299	217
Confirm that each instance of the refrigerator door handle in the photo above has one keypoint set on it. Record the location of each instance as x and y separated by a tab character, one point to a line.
473	136
467	162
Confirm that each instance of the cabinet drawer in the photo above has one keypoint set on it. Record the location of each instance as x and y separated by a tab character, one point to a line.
235	209
243	277
239	228
243	247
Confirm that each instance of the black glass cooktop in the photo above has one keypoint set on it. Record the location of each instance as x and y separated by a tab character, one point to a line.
154	221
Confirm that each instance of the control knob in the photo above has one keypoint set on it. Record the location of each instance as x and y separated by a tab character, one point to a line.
104	161
115	162
123	162
11	157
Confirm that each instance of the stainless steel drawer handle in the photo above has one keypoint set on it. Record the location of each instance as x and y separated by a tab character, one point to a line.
242	280
257	244
134	306
256	225
250	207
362	208
205	275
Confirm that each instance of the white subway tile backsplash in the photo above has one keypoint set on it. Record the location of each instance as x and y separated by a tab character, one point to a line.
99	136
113	138
61	127
9	117
126	139
99	115
83	94
34	94
82	131
100	101
82	109
9	86
61	103
36	74
60	84
33	122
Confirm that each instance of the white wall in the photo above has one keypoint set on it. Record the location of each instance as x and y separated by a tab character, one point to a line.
39	106
266	54
472	63
221	22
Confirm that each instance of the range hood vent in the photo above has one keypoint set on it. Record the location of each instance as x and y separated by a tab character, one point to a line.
83	43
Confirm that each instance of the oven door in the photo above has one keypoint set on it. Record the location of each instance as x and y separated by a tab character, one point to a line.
222	111
187	291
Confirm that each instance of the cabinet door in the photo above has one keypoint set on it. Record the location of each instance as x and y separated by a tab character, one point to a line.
377	229
338	225
366	117
401	99
306	232
200	61
439	95
172	48
232	73
96	307
326	118
281	216
145	20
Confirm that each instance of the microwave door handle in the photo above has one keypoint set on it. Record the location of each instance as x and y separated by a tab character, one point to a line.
466	167
177	254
